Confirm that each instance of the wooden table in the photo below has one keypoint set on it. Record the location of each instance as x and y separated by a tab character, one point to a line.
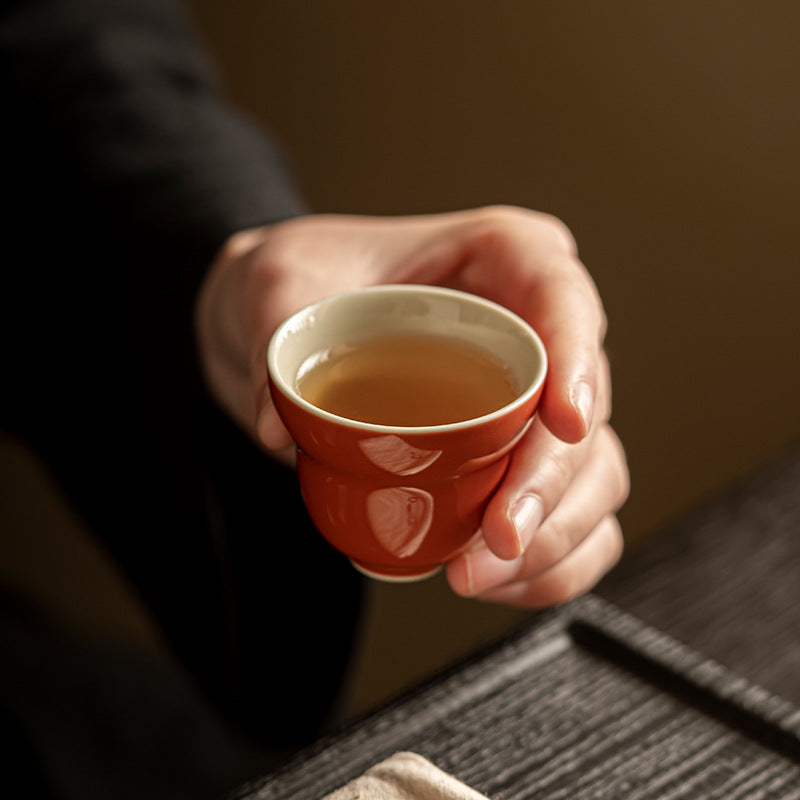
726	578
678	678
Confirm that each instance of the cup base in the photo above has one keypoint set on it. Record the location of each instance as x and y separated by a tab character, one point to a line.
395	577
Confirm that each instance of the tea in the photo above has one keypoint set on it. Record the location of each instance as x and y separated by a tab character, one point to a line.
407	380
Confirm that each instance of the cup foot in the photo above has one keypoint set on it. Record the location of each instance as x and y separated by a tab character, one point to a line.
395	577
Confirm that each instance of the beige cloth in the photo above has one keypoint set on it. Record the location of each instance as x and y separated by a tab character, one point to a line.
405	776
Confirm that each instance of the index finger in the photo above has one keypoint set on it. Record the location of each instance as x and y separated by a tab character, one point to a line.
528	262
565	309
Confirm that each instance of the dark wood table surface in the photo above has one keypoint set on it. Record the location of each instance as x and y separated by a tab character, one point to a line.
726	578
678	678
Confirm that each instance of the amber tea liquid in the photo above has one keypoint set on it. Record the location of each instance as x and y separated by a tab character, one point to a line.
408	380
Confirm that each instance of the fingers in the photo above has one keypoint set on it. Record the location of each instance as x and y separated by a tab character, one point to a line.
528	262
574	575
575	543
566	312
550	531
542	467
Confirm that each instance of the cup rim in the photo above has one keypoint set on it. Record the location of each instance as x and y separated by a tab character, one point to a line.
293	396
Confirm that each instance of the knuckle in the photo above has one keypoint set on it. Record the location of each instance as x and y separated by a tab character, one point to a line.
501	213
568	585
505	218
496	230
560	233
594	302
553	543
617	541
619	465
554	474
602	321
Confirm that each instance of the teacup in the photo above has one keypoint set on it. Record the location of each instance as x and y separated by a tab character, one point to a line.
401	497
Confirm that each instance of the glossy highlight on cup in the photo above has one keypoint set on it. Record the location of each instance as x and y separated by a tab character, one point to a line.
402	501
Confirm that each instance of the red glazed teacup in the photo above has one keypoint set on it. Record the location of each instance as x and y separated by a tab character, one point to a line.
402	500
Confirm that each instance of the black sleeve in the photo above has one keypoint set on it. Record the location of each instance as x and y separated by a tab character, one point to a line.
114	99
125	171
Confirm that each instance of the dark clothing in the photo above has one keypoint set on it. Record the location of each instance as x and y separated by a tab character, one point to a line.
125	172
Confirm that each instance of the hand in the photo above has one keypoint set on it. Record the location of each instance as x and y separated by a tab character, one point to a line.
550	531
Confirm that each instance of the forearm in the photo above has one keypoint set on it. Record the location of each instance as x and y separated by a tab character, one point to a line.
117	99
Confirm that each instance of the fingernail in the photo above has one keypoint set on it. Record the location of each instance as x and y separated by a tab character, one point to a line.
468	572
526	516
582	398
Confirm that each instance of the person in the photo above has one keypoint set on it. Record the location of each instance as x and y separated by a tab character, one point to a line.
160	240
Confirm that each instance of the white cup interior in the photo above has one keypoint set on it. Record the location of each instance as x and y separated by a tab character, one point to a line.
382	310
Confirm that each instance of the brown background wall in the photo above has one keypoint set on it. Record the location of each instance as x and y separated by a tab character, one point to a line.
665	134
